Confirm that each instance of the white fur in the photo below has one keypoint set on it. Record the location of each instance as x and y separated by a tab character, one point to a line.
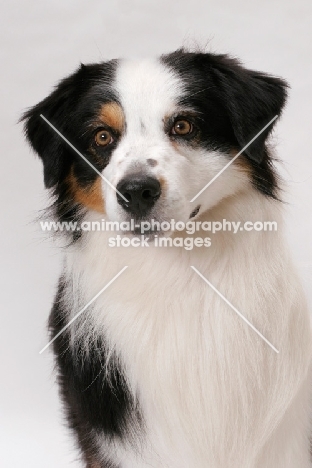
148	93
213	393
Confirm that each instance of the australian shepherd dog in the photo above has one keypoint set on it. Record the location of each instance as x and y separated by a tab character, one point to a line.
194	353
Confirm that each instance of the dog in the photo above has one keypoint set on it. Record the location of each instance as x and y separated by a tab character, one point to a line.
158	370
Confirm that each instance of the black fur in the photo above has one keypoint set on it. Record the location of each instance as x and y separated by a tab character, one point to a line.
232	105
97	399
71	108
235	104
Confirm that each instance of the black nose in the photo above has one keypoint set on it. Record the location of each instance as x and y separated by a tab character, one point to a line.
141	194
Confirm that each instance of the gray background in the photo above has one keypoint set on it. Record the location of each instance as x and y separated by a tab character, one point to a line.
41	43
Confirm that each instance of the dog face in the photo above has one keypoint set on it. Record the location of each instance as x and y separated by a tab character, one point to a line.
158	131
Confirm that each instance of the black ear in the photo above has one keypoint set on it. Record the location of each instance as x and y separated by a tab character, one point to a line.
252	100
57	108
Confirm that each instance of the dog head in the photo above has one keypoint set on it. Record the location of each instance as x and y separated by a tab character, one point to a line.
143	138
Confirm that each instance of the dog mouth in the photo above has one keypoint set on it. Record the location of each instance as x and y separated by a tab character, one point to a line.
148	226
195	212
143	230
138	226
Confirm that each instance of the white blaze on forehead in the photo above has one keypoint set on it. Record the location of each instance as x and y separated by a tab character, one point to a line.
148	91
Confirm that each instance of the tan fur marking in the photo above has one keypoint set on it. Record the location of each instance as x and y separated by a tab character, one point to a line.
112	115
240	162
91	197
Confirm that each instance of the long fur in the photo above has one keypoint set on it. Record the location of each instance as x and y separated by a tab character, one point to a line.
159	371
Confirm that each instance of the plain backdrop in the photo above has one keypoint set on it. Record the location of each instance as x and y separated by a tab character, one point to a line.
41	43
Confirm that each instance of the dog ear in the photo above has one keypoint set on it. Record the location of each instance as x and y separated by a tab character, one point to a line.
252	100
57	108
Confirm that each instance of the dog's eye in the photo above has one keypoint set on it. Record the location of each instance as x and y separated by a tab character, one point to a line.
103	138
182	127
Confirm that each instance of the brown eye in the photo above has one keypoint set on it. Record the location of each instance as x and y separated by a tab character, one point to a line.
182	127
103	138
